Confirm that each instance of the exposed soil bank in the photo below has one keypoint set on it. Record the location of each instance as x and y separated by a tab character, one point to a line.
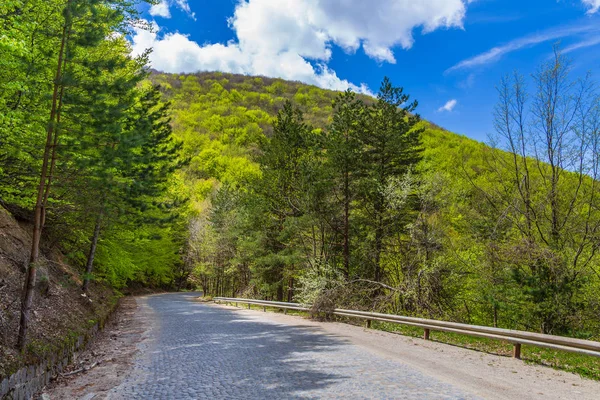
106	362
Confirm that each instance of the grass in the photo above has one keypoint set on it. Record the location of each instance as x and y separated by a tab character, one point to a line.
583	365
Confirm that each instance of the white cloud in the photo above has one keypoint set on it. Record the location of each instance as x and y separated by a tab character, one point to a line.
292	39
175	52
593	5
309	27
161	9
184	6
592	41
495	53
449	106
468	82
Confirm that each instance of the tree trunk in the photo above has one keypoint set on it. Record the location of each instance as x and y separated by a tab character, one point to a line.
495	315
204	287
290	291
39	211
346	225
280	291
378	241
90	260
53	156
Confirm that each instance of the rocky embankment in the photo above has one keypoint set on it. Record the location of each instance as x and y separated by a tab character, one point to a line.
61	313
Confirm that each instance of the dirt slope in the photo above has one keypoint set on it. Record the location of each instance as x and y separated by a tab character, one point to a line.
59	308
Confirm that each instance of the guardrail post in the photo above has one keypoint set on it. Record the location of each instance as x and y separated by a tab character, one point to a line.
248	306
236	303
426	334
264	309
516	351
368	324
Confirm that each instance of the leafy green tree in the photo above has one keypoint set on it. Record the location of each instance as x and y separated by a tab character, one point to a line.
81	26
391	148
31	33
547	188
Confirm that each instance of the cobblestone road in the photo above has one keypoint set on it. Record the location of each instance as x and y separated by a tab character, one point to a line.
198	351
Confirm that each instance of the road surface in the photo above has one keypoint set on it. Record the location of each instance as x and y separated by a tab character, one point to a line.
204	351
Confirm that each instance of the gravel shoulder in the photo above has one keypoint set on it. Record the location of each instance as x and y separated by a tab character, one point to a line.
108	360
485	375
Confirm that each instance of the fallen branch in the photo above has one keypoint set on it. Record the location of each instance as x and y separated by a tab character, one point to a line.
84	369
376	283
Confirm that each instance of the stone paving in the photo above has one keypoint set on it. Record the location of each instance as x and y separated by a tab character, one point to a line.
199	351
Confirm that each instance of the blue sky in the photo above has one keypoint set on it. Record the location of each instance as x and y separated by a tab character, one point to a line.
448	54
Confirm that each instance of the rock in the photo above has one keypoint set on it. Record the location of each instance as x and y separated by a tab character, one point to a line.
43	280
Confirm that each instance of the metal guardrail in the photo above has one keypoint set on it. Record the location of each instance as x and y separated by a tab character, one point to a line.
517	338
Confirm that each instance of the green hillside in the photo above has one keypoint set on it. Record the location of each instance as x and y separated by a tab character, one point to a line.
453	244
117	178
223	119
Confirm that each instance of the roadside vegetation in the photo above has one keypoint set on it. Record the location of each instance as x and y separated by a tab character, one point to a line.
337	199
257	187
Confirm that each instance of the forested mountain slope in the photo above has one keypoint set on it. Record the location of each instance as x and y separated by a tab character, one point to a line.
286	208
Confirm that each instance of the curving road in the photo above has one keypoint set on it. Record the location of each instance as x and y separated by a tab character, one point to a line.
192	350
199	351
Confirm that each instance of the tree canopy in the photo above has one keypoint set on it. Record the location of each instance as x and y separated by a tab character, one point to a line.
87	155
341	199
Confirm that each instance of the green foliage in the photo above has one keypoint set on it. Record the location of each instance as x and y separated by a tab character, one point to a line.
111	157
268	183
314	282
145	255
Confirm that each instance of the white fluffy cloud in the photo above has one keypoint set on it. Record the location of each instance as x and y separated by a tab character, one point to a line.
163	9
278	38
175	52
449	106
593	6
311	26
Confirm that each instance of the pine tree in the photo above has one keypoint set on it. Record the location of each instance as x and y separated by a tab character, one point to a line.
391	147
284	184
343	151
133	173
